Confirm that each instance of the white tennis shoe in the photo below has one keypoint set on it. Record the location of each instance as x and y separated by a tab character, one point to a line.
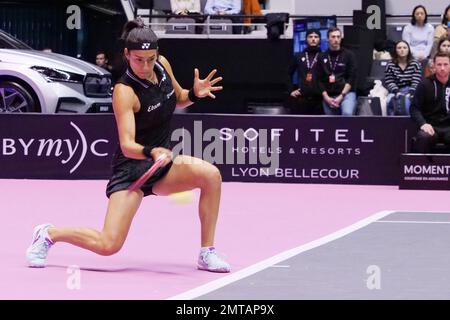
41	243
209	260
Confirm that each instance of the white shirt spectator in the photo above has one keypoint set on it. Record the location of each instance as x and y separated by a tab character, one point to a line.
420	39
185	6
223	6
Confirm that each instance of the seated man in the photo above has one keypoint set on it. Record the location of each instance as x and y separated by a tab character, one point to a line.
225	7
337	77
430	108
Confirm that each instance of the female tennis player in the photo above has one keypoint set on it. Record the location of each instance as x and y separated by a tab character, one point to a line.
144	100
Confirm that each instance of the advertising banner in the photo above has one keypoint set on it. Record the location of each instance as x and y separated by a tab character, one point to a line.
425	172
291	149
35	146
247	148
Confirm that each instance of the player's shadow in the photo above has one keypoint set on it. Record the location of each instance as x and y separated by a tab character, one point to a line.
160	269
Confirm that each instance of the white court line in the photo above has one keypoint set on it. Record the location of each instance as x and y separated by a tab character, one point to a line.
413	221
423	211
219	283
279	266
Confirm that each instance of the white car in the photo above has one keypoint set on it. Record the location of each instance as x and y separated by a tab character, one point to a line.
35	81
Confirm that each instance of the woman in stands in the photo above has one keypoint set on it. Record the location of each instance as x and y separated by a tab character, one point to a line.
443	45
442	29
144	100
403	74
419	34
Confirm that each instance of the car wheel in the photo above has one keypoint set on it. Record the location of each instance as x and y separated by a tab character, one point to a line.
14	98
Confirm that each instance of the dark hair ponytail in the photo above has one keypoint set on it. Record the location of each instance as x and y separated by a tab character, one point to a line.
136	35
130	25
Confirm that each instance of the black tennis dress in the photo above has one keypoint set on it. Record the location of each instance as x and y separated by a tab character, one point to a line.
152	122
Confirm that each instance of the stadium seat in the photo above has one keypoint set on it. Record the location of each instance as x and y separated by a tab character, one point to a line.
181	26
377	72
394	32
219	26
368	106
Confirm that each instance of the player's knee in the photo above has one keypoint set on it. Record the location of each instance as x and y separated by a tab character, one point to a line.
212	175
110	247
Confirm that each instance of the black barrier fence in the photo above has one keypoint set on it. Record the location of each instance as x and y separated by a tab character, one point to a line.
247	148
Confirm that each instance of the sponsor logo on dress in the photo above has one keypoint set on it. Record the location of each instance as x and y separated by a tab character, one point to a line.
153	107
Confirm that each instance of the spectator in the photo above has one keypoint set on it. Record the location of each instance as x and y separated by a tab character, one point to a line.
251	7
101	60
443	45
441	30
189	8
223	7
185	7
337	77
306	98
419	34
226	7
431	107
403	74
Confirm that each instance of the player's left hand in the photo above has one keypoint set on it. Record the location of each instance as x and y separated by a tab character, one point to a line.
205	87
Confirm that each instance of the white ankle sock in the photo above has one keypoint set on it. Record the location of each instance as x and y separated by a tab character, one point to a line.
47	236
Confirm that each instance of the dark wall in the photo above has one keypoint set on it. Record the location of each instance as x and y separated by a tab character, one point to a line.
254	70
44	25
39	26
100	32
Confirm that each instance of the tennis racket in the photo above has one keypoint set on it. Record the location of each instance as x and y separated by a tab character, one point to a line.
141	180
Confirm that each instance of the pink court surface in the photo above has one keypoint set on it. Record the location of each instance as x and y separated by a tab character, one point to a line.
158	260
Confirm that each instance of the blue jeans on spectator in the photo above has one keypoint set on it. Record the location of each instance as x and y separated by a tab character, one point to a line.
347	108
390	100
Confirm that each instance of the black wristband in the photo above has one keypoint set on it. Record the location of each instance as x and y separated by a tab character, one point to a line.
192	96
146	151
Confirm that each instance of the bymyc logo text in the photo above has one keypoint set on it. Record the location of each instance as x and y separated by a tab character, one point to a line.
64	149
